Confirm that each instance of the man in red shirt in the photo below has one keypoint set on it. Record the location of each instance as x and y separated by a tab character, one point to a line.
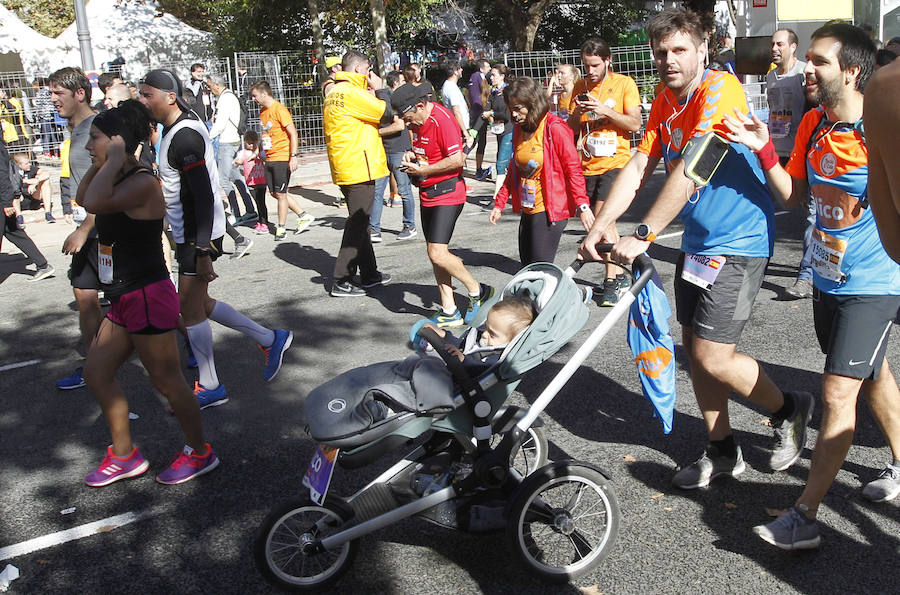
436	164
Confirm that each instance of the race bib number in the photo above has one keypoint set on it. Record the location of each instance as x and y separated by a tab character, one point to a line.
498	128
702	270
601	143
267	142
780	124
528	193
105	263
318	475
827	255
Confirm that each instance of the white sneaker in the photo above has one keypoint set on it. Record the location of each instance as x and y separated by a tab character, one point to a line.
304	221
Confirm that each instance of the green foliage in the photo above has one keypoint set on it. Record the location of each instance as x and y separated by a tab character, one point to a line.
49	17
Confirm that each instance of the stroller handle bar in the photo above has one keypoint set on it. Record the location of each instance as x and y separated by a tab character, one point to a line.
642	264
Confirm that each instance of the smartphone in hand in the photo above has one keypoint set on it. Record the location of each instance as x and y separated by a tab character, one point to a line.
583	97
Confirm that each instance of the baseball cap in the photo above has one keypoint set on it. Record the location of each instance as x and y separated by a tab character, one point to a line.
165	80
331	61
405	97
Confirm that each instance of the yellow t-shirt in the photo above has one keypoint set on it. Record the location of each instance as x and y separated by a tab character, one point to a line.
274	137
64	157
529	159
604	146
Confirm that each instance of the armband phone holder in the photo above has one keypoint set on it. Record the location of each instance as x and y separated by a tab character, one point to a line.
702	156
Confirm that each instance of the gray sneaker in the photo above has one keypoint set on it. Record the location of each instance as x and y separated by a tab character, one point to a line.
42	273
791	531
241	247
886	487
708	467
408	233
801	289
790	433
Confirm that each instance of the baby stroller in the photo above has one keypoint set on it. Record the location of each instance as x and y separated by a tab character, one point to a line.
479	465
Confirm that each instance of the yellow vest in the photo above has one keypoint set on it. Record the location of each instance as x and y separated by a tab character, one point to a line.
350	117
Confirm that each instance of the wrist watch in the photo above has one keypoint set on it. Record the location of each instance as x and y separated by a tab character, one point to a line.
583	208
644	232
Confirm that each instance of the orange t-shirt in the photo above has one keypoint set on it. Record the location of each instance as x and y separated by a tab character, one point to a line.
274	137
529	158
611	145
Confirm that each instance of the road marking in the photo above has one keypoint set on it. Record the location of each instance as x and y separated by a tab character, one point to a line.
101	526
30	362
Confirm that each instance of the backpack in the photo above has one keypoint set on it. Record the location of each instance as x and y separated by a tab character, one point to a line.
242	125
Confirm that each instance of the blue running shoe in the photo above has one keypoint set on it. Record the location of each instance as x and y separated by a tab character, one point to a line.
76	380
275	353
191	360
487	292
419	344
210	397
441	320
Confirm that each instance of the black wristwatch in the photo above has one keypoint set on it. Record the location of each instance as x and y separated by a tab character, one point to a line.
644	232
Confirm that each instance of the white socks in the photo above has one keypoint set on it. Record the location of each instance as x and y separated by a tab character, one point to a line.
228	316
200	336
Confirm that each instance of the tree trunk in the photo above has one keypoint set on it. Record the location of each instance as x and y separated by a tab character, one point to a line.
382	49
318	38
524	20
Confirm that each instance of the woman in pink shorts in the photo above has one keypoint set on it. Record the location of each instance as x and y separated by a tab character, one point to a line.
143	315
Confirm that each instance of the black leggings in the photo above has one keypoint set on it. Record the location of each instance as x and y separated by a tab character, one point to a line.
539	238
259	197
20	239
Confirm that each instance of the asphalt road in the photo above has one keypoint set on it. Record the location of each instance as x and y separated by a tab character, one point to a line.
197	538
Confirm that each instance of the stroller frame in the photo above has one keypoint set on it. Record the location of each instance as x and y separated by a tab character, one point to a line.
526	496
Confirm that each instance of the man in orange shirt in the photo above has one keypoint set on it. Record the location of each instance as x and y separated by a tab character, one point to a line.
281	143
605	110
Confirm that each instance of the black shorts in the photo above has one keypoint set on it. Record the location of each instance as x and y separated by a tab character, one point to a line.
84	272
29	203
439	221
719	313
278	174
186	255
853	331
598	186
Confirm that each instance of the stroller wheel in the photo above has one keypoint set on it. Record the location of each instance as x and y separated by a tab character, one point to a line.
532	455
279	545
563	521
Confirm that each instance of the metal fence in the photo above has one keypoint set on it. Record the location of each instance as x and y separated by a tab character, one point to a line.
294	82
182	68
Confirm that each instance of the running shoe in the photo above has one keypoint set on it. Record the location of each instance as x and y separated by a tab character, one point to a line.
487	292
241	247
441	320
346	289
261	228
708	467
382	279
248	219
801	289
275	353
374	235
791	531
885	487
610	295
304	221
187	465
280	234
396	201
207	397
622	283
49	217
114	468
483	174
76	380
408	233
20	221
42	273
790	433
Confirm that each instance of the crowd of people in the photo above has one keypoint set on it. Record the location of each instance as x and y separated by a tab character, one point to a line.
563	150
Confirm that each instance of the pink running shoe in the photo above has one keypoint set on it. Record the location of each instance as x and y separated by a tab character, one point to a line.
114	468
261	228
188	465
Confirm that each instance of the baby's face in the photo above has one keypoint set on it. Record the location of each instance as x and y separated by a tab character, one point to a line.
22	162
497	329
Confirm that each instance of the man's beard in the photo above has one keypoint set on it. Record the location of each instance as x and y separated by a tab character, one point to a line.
827	93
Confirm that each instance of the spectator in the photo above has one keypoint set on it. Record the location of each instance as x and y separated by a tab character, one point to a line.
412	74
44	115
202	104
546	184
34	188
453	99
479	88
252	160
497	114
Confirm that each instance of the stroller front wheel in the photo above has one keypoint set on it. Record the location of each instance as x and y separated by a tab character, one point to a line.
280	550
563	521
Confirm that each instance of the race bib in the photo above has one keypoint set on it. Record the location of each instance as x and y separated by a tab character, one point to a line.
267	142
780	124
498	128
528	193
105	263
206	101
702	270
601	143
827	255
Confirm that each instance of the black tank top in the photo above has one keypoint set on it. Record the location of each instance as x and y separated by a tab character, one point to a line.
136	248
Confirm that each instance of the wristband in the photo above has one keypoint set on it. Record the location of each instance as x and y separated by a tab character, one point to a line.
768	158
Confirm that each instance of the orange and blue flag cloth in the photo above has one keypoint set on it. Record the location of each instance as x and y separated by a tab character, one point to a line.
653	349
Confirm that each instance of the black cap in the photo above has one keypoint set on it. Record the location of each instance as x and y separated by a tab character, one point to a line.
165	80
405	97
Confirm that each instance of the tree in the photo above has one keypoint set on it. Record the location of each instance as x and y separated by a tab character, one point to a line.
514	21
48	17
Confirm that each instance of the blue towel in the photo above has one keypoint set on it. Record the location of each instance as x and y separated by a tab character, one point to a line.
653	349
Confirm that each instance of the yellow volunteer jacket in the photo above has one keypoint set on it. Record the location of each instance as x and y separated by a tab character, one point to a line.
351	116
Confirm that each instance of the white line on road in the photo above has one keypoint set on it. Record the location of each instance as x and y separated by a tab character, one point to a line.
30	362
101	526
